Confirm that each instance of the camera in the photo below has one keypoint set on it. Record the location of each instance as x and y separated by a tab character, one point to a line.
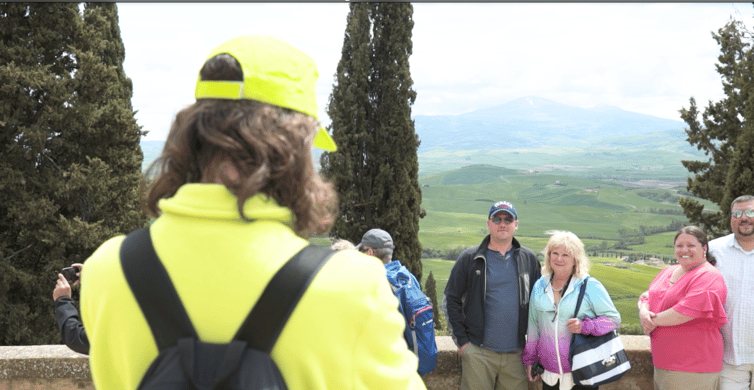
70	274
536	369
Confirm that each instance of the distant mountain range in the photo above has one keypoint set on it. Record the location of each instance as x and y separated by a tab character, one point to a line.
532	123
536	125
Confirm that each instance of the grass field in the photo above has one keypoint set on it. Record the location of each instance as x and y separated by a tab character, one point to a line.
595	210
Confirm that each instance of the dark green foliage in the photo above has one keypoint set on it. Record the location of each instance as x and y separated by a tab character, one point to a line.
349	110
740	180
376	167
722	133
430	290
630	237
69	153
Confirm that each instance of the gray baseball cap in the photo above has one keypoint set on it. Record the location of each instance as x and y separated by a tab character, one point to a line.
376	239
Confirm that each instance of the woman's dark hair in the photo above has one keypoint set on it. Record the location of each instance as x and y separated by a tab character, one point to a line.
701	236
269	147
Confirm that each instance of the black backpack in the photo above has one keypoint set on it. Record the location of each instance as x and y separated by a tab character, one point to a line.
184	361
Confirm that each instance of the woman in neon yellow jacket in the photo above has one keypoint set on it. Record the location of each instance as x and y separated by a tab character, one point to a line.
236	195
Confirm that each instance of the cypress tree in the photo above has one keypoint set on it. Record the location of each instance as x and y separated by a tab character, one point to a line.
720	133
430	290
376	166
69	153
348	109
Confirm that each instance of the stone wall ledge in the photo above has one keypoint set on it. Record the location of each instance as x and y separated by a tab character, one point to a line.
447	373
57	367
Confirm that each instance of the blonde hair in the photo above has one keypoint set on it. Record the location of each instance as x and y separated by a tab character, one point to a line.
340	244
572	245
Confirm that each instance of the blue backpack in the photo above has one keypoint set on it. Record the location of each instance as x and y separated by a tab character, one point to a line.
417	310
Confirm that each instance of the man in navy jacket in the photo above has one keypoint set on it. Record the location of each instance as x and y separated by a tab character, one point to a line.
487	304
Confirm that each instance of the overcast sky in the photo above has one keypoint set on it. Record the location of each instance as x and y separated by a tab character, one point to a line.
647	58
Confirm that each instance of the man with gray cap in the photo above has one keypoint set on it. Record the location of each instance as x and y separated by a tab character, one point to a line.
487	304
415	307
378	243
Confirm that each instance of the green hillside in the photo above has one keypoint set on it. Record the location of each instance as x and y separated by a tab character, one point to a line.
596	210
653	156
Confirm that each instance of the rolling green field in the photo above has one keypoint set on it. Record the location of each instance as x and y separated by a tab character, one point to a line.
652	156
595	210
623	284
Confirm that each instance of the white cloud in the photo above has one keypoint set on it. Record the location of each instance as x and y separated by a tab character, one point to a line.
642	57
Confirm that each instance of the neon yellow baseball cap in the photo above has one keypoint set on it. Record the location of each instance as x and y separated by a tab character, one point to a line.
274	72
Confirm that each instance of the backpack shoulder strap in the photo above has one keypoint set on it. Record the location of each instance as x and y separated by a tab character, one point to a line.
167	316
148	279
266	320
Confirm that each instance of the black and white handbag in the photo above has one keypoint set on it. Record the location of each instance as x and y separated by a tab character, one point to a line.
596	360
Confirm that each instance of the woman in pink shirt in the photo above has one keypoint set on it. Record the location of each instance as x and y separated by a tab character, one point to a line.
682	312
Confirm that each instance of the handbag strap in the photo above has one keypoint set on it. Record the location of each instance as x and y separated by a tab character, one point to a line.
167	317
582	291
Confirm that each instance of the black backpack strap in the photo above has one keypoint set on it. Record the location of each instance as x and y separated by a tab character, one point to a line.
154	292
167	316
266	320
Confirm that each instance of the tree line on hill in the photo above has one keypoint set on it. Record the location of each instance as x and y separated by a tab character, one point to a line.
628	237
653	210
602	250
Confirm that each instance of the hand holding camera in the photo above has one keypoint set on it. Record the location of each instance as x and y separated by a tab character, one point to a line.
68	276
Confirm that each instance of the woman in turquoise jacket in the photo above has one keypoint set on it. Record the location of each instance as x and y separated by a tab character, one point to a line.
551	312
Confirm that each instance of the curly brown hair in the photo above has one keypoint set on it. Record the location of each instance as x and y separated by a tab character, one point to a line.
268	146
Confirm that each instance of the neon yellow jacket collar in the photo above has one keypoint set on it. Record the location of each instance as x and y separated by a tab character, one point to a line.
217	202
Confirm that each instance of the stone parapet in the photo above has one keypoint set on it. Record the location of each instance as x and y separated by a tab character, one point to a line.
447	374
48	367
